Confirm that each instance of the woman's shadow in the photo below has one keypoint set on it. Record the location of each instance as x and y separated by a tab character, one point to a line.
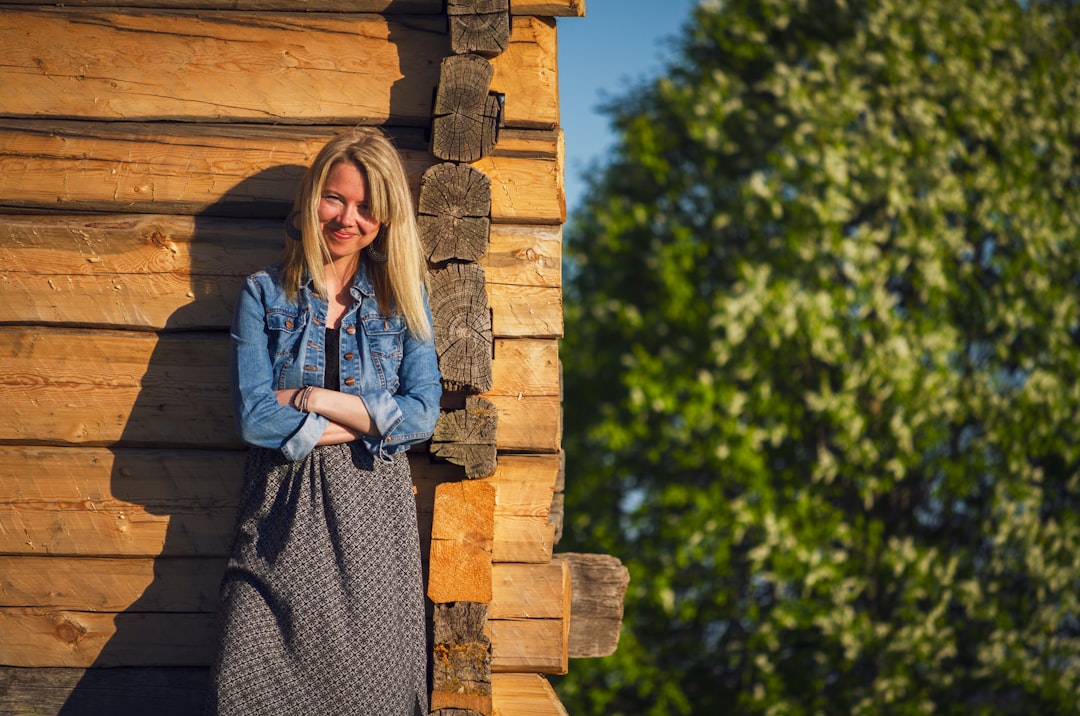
179	461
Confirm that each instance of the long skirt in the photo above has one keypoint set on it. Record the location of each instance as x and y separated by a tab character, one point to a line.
322	607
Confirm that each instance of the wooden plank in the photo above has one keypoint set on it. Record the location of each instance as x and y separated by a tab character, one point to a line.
520	538
524	695
530	591
57	637
183	272
170	390
462	533
525	367
230	170
544	8
521	255
530	61
94	584
310	68
528	645
599	589
166	691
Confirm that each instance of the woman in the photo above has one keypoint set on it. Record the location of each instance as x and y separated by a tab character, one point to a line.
334	375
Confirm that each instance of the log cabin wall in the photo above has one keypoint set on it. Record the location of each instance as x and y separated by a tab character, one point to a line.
148	156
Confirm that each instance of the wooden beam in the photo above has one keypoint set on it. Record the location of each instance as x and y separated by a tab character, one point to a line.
536	646
531	60
461	664
169	691
545	8
462	533
524	695
453	213
183	272
466	117
466	437
480	26
599	589
171	390
231	170
463	332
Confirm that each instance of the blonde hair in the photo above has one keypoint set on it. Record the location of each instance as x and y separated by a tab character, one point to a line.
400	280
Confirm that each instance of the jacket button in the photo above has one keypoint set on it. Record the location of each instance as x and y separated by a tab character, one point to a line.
349	356
350	381
288	324
350	330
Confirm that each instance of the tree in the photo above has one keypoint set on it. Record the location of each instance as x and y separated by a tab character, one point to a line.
821	364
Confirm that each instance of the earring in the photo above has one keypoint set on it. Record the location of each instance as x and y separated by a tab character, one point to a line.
375	255
291	229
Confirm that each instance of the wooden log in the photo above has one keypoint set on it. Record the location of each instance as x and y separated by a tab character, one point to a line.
463	334
544	8
462	533
465	125
555	515
599	588
531	59
143	65
467	437
171	390
536	646
162	691
479	26
525	366
521	538
183	272
52	637
453	209
524	695
530	591
95	584
461	668
227	169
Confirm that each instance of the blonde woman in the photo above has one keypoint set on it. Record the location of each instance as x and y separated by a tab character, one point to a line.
334	375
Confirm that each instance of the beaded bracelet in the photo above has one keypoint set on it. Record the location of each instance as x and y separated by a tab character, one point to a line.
304	399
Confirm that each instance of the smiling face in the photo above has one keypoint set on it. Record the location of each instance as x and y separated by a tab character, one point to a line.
344	215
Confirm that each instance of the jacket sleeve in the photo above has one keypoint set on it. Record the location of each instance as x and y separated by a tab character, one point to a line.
408	416
262	421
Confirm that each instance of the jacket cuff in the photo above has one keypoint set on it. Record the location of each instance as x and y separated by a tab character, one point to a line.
384	411
305	438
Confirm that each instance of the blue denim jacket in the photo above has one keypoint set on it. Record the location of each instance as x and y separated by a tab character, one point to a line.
279	344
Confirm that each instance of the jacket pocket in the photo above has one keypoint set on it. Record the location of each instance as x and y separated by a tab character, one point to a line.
384	337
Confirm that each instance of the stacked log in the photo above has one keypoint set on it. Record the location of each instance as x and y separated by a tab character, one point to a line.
147	159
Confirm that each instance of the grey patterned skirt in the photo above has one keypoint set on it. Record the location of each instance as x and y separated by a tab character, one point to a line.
322	607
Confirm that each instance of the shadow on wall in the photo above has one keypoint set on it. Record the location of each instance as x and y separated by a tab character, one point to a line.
179	465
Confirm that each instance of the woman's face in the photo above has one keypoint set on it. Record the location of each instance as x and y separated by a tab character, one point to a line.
344	217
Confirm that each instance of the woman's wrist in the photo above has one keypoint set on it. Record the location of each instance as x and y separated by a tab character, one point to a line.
301	399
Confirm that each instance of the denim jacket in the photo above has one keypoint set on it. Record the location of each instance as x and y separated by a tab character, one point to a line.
280	344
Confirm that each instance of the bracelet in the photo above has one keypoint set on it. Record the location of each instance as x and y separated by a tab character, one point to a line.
293	400
304	399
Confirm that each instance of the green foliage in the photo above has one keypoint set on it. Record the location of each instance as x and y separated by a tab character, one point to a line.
821	364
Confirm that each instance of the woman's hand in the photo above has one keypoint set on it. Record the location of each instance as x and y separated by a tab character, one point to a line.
284	397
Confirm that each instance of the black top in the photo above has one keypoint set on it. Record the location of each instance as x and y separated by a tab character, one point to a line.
332	379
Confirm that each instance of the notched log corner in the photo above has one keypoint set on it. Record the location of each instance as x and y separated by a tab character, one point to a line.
466	118
467	437
480	26
453	212
461	668
462	319
598	588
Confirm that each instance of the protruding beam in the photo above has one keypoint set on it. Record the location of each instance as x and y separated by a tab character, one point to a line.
453	212
463	335
466	119
480	26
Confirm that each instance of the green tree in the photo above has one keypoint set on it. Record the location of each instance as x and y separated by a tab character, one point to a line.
822	376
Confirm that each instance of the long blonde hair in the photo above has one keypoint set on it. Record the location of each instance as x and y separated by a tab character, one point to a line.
400	280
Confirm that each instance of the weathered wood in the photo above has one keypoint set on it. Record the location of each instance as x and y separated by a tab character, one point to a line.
543	8
183	272
94	584
523	256
453	209
536	646
228	169
229	66
480	26
599	584
162	691
462	534
56	637
465	124
170	390
312	68
524	695
555	515
461	667
463	334
467	437
530	591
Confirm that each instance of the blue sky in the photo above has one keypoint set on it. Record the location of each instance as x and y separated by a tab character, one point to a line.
600	55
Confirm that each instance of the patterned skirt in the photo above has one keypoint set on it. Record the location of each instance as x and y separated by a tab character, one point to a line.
322	606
